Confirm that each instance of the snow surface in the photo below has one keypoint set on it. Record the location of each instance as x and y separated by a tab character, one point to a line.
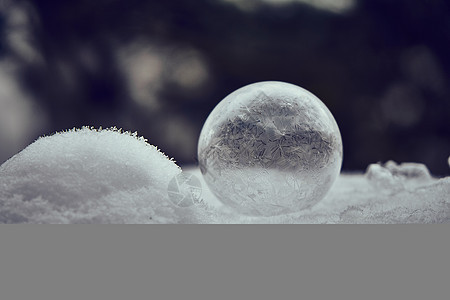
89	176
385	194
110	176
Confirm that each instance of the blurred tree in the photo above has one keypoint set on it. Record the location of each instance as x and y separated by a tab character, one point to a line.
382	68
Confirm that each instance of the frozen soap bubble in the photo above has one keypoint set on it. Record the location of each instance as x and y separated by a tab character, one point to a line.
270	148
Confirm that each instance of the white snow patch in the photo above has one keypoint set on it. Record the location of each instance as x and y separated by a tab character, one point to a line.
89	176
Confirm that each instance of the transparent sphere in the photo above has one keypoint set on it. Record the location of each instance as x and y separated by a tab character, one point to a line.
270	148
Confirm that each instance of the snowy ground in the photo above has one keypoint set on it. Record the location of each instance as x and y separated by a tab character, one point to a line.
107	176
358	198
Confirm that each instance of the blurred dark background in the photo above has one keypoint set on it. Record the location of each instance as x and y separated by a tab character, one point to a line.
159	67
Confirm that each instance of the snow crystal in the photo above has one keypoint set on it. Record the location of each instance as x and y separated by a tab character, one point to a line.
396	177
89	176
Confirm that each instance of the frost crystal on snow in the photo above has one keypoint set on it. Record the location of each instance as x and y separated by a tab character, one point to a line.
270	148
89	176
392	178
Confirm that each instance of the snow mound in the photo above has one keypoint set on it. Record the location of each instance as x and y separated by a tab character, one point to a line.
89	176
386	194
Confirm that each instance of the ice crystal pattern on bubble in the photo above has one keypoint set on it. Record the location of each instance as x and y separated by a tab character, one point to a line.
267	152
